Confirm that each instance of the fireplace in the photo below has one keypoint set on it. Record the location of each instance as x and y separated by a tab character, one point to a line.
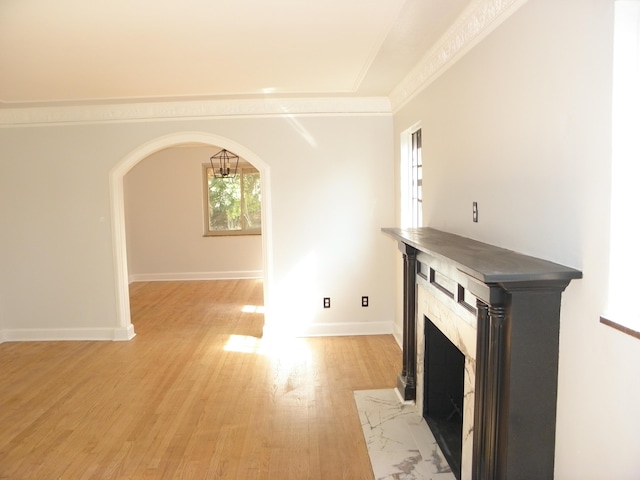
443	393
501	311
452	326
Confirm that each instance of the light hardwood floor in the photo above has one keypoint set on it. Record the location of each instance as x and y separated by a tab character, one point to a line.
195	395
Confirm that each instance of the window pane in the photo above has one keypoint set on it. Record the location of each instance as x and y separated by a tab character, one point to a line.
416	178
252	211
624	254
224	202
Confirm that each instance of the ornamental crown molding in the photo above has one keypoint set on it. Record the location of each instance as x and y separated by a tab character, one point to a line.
479	19
190	110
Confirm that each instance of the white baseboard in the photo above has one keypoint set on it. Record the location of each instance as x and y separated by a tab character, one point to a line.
187	276
335	329
66	334
123	334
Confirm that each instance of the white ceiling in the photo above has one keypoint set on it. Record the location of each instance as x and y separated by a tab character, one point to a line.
103	51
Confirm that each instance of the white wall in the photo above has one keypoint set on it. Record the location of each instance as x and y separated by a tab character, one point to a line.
330	194
165	223
521	125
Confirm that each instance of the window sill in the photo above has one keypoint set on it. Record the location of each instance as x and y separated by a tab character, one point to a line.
232	233
620	328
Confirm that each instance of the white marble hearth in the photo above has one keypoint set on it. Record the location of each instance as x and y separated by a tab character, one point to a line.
400	444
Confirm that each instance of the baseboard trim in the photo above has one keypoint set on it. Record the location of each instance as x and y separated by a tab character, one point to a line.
333	329
189	276
127	333
67	334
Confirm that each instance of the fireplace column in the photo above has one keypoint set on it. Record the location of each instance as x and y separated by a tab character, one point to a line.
490	361
407	379
516	380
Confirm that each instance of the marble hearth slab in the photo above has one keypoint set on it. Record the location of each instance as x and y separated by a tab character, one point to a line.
400	444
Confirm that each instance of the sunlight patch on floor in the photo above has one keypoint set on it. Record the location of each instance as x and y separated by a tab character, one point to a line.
287	351
253	309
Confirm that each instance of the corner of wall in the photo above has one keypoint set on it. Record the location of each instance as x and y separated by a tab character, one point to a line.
397	334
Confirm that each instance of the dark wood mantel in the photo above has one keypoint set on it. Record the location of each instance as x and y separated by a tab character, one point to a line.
517	307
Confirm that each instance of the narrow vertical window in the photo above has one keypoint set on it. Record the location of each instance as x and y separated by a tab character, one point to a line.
624	255
416	178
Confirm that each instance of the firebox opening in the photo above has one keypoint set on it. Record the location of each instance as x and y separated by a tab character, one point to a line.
444	393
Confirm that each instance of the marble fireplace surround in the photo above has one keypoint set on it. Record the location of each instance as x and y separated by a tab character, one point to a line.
502	310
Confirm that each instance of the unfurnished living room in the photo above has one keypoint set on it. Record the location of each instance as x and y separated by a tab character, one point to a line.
319	240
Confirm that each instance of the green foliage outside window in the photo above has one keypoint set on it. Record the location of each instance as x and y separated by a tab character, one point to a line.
234	205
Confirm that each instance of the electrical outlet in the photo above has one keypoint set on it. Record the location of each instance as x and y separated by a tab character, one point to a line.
365	301
475	212
327	302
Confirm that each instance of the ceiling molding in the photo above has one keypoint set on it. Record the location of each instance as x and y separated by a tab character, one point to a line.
475	23
189	110
479	19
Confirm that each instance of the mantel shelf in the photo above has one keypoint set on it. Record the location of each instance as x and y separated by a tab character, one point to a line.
484	262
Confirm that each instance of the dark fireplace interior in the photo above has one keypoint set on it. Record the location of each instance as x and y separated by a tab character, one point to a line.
443	393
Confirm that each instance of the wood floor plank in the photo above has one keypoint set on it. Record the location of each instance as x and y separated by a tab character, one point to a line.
197	394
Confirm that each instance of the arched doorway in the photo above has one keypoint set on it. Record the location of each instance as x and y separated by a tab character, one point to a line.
124	330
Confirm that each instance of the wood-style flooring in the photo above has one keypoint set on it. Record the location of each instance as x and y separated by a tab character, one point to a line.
197	394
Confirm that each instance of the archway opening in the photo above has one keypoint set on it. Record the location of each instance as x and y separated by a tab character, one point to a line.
125	330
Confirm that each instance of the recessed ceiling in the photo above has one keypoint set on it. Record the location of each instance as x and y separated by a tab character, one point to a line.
79	51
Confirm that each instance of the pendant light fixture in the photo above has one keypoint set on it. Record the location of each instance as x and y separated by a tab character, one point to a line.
227	164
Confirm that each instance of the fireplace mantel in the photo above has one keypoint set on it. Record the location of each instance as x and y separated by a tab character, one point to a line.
514	300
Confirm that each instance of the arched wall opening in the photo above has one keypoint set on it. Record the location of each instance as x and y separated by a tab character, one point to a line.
125	330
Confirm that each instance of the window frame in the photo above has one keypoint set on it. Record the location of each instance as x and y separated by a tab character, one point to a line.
624	257
243	168
416	178
411	178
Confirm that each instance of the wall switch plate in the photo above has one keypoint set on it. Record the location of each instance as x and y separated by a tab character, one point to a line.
475	212
365	301
327	302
